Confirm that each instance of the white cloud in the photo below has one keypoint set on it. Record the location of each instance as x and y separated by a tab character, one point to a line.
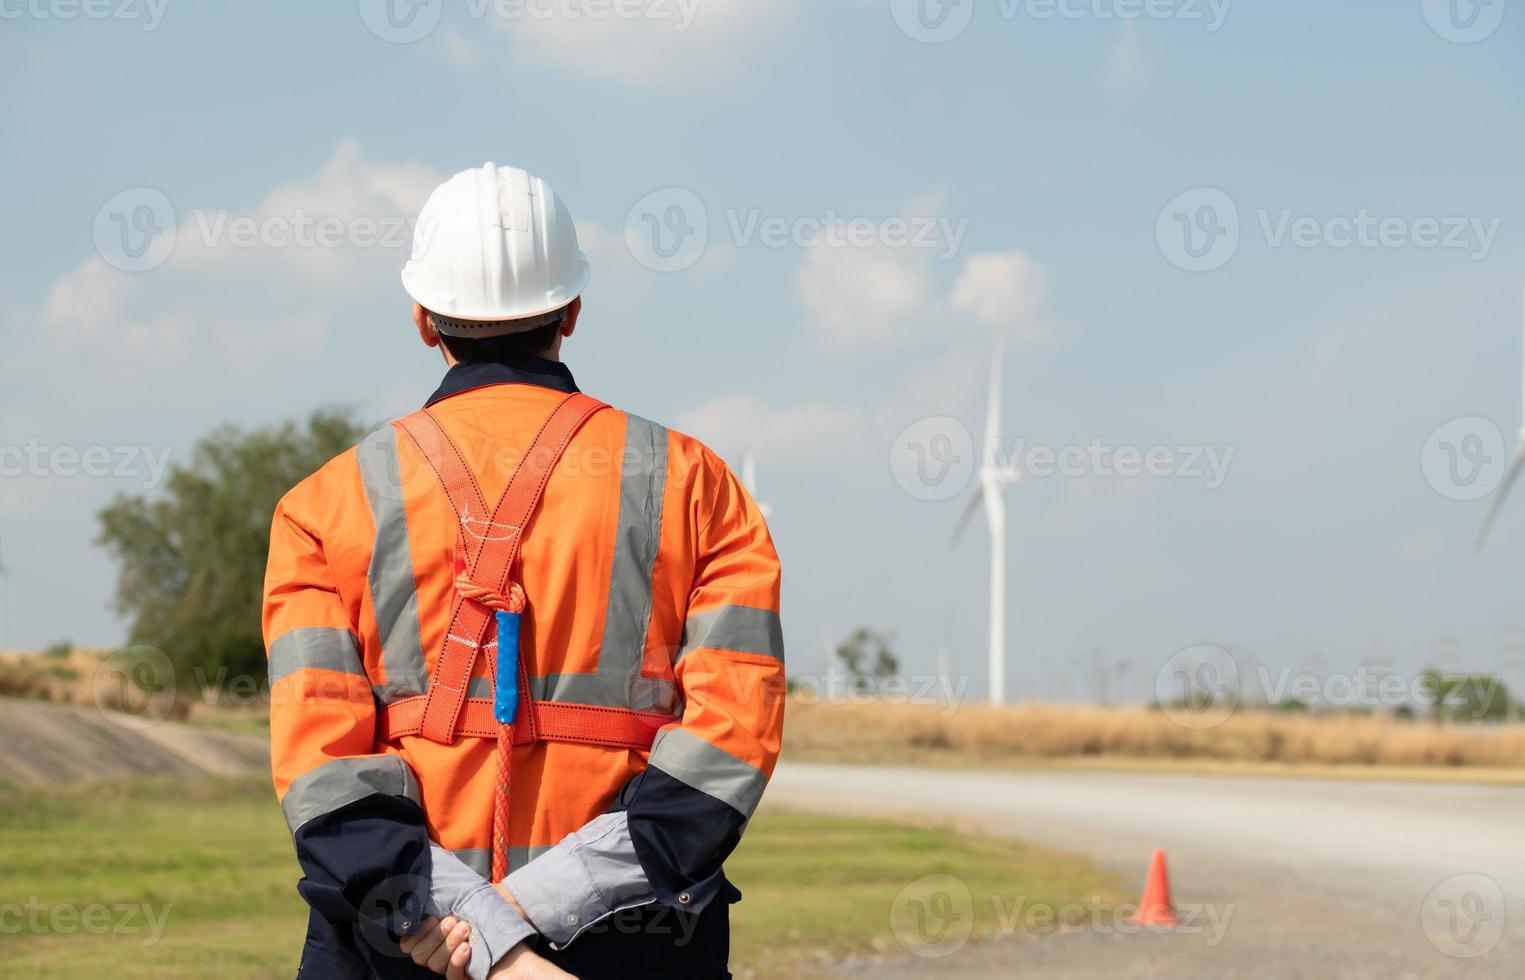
1128	66
605	248
96	311
866	298
879	297
811	432
86	300
89	313
672	41
1003	291
459	48
348	226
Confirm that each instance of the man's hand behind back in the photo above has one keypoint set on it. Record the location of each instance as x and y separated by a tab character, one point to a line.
444	948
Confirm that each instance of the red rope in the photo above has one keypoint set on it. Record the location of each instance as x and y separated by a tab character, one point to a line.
514	602
469	591
500	804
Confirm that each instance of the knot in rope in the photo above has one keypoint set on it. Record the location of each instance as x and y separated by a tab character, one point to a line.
497	601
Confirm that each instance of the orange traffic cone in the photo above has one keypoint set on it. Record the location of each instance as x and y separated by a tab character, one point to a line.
1155	908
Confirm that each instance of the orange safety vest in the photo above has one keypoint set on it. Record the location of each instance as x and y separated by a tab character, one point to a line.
648	588
487	553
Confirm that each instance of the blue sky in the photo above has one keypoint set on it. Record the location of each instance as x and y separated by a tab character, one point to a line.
1057	148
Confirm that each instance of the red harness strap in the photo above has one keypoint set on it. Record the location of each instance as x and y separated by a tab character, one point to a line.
487	551
487	546
553	721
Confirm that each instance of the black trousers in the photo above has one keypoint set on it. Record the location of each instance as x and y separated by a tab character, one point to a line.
647	942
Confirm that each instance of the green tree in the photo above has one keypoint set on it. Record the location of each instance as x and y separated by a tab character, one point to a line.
867	658
192	558
1466	697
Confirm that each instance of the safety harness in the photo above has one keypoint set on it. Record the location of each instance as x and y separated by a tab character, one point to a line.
489	593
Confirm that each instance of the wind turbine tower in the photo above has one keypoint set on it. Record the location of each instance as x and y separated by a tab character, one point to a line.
1516	461
994	477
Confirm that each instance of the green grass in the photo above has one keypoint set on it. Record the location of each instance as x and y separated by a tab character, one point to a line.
237	721
213	858
213	855
819	888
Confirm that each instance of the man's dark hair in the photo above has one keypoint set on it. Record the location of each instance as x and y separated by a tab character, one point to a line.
485	350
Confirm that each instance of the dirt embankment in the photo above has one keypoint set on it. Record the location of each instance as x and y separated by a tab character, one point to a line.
53	743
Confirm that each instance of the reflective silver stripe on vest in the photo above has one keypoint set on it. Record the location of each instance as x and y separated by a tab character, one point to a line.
741	629
315	648
340	782
691	760
639	693
638	532
518	857
642	693
479	859
394	594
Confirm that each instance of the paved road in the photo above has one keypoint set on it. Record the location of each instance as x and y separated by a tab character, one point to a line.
1296	878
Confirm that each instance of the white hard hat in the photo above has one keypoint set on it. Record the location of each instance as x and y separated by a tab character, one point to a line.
494	244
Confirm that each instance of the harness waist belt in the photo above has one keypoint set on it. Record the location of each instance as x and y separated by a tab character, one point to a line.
549	721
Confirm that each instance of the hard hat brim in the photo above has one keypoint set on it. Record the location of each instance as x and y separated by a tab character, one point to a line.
442	304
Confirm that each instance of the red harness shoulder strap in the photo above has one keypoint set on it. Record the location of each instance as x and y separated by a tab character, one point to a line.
489	545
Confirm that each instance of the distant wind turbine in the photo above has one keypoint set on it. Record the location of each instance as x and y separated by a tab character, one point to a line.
1516	461
994	478
749	480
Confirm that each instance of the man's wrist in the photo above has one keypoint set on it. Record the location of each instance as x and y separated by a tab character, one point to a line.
508	897
497	929
506	961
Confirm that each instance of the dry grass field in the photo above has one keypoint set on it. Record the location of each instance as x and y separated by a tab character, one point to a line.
975	735
966	735
80	676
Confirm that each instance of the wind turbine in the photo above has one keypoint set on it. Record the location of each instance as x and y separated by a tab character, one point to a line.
749	480
1516	461
994	478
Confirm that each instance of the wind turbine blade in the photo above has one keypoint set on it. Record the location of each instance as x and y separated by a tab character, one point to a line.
993	405
749	472
1522	357
968	515
1502	493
